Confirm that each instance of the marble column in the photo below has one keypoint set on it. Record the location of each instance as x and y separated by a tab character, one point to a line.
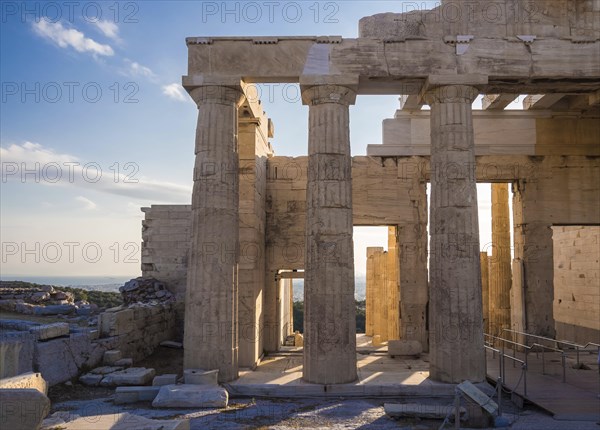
370	311
329	308
456	320
414	291
500	267
392	297
210	337
485	290
381	295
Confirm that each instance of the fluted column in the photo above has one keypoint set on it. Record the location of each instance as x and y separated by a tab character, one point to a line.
392	282
456	327
381	307
211	338
370	310
485	290
500	267
329	308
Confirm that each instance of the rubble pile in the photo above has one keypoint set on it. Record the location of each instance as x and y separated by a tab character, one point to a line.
145	290
41	300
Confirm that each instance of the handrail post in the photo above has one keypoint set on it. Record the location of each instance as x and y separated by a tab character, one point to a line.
499	386
525	377
577	349
543	361
564	368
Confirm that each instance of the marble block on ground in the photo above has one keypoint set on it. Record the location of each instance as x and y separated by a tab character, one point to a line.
191	396
131	376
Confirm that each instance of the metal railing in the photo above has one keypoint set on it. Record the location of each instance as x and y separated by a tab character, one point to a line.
535	347
556	342
502	368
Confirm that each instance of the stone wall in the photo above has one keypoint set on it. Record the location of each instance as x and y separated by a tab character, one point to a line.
166	233
556	191
138	329
576	283
59	355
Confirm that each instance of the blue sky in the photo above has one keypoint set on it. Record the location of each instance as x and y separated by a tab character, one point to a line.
90	91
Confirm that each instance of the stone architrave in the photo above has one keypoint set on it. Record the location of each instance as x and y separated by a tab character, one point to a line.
329	308
210	338
500	263
456	320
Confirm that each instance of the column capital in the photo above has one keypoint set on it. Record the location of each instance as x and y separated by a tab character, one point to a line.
319	89
216	89
451	94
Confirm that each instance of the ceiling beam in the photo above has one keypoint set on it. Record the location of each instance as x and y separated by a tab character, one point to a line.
497	101
541	101
410	102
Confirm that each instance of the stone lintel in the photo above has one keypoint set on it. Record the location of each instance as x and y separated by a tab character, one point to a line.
191	82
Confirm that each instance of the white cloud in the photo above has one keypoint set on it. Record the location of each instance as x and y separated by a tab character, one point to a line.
135	69
175	91
31	163
69	37
87	203
109	29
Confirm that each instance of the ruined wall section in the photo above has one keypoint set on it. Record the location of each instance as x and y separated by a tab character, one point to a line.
576	283
500	18
166	233
557	191
137	330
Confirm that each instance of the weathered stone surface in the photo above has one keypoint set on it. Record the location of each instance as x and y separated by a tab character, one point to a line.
329	307
124	362
135	394
167	379
404	347
131	376
110	357
54	310
212	294
50	331
16	353
500	263
123	421
376	341
23	409
25	380
171	344
91	379
191	396
485	289
455	307
201	377
417	410
576	273
145	290
298	340
105	370
61	359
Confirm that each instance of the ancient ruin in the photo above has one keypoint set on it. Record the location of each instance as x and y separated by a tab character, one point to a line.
541	151
257	220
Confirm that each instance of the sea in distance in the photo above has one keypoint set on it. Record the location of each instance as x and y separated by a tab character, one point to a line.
112	283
